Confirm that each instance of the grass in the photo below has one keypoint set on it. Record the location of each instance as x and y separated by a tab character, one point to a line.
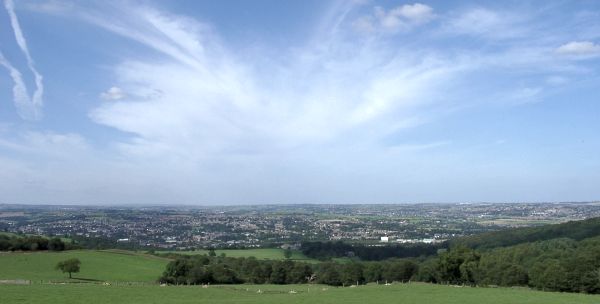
95	265
401	293
125	266
262	253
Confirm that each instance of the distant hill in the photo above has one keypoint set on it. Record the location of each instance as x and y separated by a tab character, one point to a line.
576	230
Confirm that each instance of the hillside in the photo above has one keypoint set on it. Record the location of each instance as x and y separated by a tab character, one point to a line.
576	230
109	265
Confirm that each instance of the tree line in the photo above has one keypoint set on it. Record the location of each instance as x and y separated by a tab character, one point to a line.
328	250
557	265
562	264
31	243
576	230
204	269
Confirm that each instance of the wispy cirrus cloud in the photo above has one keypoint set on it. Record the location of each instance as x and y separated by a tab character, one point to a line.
403	17
212	101
29	107
203	99
51	6
195	116
419	147
487	23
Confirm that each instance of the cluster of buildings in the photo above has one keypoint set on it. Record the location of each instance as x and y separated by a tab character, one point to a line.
273	225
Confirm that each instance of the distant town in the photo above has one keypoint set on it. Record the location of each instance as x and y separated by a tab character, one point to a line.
189	228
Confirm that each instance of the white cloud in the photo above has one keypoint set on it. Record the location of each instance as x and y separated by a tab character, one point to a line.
211	102
45	145
486	23
579	48
477	20
201	118
416	13
114	93
29	107
419	147
523	95
364	25
62	168
556	80
46	139
403	17
21	97
50	6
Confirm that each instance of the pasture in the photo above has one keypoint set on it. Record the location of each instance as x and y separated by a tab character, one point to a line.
108	265
124	270
399	293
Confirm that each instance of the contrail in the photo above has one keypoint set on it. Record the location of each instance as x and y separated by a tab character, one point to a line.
21	96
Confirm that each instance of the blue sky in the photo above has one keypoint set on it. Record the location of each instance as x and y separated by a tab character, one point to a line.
238	102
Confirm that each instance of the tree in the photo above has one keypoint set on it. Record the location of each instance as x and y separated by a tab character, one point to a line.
548	275
458	265
300	273
555	276
287	253
199	275
329	274
262	273
515	275
352	273
373	272
279	273
211	252
56	244
428	271
70	266
591	281
222	274
177	271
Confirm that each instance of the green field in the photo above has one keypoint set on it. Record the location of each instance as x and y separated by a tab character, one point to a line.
123	268
262	253
400	293
95	265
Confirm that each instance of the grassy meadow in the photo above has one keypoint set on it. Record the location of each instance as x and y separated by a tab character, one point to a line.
109	265
399	293
121	267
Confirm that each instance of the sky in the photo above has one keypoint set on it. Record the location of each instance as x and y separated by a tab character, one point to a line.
281	102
